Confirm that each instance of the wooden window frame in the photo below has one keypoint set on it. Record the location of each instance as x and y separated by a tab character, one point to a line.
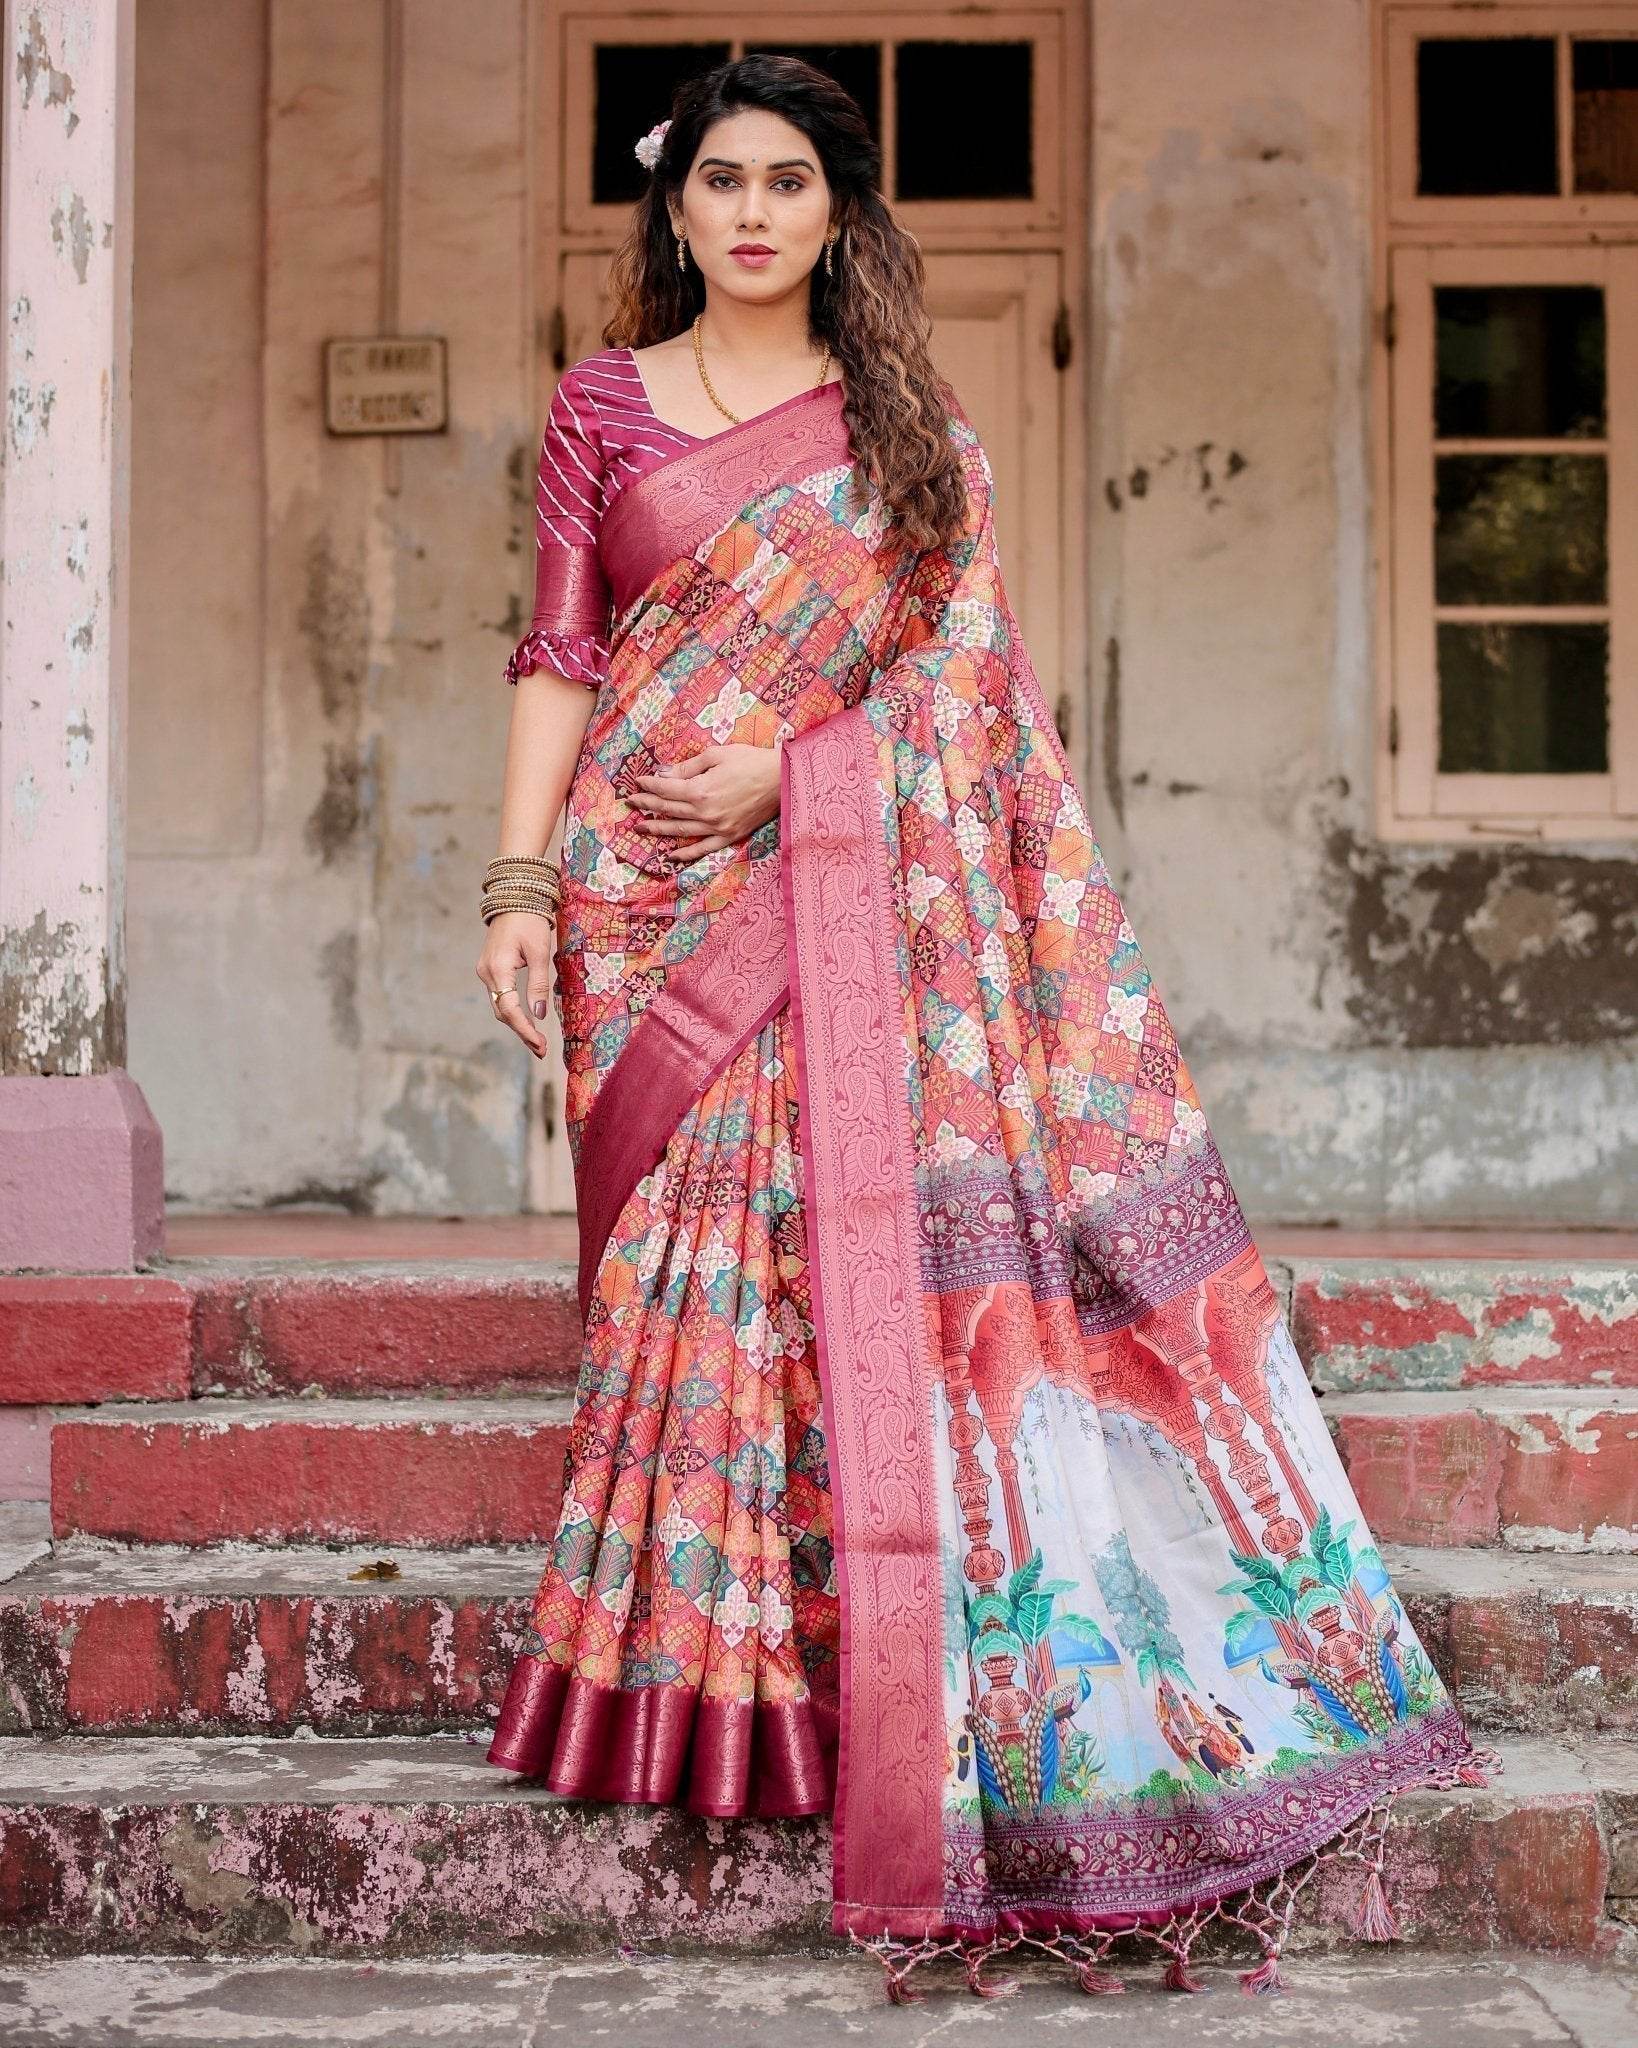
1419	245
583	28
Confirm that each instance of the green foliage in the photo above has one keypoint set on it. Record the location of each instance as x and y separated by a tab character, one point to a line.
1238	1626
1018	1618
1264	1583
1079	1769
1163	1791
1327	1735
1024	1576
1423	1685
1312	1598
1330	1551
1085	1630
1296	1589
1140	1612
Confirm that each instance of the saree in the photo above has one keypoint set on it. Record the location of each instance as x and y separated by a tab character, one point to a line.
941	1459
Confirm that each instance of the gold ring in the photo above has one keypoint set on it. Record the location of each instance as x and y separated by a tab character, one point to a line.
495	995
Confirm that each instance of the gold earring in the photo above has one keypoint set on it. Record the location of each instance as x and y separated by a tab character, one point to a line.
682	245
829	242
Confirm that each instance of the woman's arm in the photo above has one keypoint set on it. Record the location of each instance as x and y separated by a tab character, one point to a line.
549	718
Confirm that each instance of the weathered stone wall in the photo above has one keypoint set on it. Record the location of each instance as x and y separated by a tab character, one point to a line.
1378	1032
317	660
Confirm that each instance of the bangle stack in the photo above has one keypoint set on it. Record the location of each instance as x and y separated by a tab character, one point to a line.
520	881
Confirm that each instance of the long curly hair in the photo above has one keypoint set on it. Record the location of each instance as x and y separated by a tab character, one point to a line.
872	310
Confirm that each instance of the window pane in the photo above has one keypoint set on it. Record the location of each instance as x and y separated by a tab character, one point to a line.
1485	119
1523	700
1519	529
1604	76
1524	360
634	83
856	67
932	82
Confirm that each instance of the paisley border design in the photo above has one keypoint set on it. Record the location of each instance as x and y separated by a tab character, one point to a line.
876	1373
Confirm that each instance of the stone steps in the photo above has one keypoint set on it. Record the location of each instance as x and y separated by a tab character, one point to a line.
203	1326
418	1846
420	1472
1365	1324
214	1739
240	1641
1530	1468
482	1326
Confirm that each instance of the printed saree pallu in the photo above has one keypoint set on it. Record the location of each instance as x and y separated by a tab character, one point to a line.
940	1458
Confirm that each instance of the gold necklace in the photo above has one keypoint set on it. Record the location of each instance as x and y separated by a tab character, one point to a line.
710	392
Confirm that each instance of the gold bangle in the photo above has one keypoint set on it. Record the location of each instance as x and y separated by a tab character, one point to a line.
493	910
521	896
523	881
520	864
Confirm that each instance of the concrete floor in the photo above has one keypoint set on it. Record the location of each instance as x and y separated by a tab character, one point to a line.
653	2001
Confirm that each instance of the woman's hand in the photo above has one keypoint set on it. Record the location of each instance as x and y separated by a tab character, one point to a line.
518	939
713	799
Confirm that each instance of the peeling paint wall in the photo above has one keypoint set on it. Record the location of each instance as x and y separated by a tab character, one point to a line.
65	226
1379	1032
305	1019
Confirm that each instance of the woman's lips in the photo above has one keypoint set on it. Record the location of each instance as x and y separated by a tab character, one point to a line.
753	259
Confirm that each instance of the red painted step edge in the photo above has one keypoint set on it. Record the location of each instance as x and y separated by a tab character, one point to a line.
101	1337
66	1340
406	1875
221	1479
1383	1324
1536	1479
254	1663
353	1662
397	1332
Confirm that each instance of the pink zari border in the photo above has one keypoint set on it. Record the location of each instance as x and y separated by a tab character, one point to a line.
712	1002
874	1363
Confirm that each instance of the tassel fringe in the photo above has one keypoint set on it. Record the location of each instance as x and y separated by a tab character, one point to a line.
1176	1976
1264	1911
1266	1977
1375	1921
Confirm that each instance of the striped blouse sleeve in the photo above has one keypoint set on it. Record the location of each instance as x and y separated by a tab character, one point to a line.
569	630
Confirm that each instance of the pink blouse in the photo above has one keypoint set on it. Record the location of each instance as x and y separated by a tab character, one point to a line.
601	434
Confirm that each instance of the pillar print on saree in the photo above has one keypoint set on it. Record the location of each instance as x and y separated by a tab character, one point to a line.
1171	1668
940	1441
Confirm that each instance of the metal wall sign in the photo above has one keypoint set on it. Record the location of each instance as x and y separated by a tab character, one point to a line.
386	384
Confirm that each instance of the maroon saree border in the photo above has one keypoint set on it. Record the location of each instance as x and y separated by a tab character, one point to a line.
663	1745
872	1340
712	1002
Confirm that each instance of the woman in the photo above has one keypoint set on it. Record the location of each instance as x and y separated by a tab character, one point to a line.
940	1457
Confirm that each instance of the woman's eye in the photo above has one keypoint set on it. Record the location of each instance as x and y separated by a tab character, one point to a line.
719	179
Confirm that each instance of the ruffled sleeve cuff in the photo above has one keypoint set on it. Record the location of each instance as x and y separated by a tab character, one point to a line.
569	629
583	657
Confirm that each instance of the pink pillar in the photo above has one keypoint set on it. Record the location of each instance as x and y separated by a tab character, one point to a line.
80	1168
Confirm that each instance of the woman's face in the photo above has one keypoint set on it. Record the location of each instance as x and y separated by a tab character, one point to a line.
755	183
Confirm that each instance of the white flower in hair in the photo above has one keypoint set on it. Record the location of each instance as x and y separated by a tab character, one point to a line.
647	150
